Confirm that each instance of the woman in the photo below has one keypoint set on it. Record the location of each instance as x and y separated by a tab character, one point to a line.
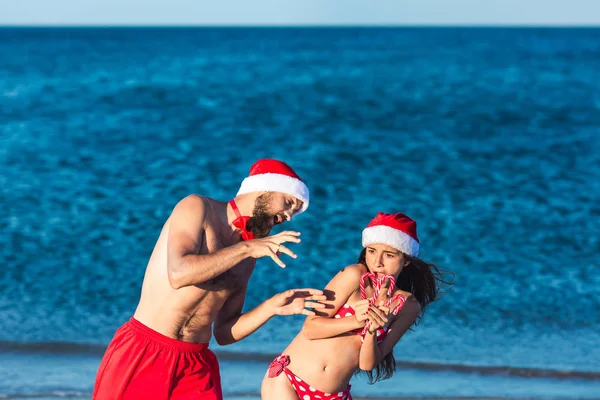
370	306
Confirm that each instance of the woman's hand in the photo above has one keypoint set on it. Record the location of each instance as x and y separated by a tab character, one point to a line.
360	311
379	317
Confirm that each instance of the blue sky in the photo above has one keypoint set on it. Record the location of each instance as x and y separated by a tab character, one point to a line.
300	12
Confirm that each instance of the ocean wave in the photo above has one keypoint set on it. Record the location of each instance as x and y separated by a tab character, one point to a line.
61	348
257	395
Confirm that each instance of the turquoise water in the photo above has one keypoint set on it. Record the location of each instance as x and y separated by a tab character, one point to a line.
487	137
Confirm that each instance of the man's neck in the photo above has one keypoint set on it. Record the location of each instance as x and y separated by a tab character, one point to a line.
245	205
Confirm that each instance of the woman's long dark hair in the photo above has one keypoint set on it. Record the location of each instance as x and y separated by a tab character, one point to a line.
426	283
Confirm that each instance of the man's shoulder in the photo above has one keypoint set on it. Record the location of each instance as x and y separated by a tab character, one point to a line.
196	197
200	208
195	201
192	207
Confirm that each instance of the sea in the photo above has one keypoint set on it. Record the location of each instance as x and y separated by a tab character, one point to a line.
488	137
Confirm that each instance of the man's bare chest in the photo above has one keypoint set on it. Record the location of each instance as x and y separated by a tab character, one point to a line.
231	280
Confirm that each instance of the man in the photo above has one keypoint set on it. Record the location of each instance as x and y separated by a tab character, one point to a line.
197	275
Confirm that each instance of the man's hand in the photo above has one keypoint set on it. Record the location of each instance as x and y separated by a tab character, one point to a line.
297	301
272	246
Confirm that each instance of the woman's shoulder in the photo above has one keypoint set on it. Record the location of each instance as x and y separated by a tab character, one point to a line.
349	275
411	304
347	278
404	293
354	271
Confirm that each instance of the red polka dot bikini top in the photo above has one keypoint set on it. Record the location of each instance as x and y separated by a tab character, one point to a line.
347	311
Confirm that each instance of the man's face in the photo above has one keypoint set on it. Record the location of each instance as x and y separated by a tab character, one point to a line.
270	209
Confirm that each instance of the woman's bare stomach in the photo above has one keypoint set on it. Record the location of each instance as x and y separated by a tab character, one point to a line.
325	364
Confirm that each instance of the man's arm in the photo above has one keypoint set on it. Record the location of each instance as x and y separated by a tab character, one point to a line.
186	232
186	267
231	315
231	325
339	289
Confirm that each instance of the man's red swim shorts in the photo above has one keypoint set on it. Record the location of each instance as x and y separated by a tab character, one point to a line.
141	363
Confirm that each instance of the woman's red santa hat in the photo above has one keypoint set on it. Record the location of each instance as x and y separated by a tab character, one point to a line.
268	175
396	230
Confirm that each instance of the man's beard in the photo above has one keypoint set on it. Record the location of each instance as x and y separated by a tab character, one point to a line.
261	222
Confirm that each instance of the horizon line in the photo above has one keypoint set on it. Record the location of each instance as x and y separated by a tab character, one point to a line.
331	26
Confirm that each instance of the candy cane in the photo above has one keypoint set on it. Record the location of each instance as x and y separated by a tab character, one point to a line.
400	297
377	285
376	289
381	282
363	293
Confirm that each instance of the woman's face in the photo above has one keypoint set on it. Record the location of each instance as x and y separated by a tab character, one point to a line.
384	259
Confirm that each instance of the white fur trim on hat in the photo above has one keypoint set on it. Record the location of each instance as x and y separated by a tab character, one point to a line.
276	183
392	237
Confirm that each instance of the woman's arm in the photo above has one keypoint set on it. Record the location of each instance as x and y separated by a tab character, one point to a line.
371	353
338	291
